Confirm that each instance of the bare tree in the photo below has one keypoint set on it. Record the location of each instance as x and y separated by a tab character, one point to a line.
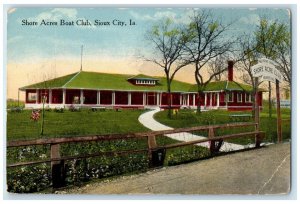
167	41
216	67
247	57
206	41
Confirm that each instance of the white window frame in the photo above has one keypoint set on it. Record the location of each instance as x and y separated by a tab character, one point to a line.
32	96
232	97
248	97
239	98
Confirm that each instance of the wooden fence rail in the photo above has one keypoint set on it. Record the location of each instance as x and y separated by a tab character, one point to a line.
155	152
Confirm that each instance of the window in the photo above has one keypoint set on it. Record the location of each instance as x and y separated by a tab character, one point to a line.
32	96
147	82
248	97
230	97
239	97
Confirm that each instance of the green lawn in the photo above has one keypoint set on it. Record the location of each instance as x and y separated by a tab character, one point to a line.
188	118
85	122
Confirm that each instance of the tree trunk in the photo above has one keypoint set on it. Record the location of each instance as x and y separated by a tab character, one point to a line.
199	101
253	103
199	91
169	99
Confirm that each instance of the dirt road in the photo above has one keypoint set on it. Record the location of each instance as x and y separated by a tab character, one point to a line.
261	171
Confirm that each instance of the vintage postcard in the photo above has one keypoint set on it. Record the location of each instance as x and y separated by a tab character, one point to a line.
149	100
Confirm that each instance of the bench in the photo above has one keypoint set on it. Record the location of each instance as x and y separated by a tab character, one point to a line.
16	109
240	117
101	108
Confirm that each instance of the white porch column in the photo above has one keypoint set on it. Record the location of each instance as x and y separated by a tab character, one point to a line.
188	99
205	99
157	99
113	98
160	98
180	99
37	96
81	96
144	98
64	97
218	99
50	96
194	100
98	97
129	98
210	101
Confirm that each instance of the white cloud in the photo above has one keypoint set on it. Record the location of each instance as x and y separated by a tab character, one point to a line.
164	14
141	17
70	13
11	10
14	39
182	18
252	19
56	14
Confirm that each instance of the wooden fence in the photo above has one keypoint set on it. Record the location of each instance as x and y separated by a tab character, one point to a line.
155	152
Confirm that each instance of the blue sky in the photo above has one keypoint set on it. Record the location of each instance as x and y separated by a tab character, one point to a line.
47	42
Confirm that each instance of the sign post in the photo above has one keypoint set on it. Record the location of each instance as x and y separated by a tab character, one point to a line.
267	71
256	107
279	131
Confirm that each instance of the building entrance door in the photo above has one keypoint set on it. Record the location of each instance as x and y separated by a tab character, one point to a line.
151	99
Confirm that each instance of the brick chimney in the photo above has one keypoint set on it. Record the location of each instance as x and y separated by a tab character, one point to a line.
230	70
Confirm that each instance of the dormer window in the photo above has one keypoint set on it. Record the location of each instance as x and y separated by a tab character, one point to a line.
143	80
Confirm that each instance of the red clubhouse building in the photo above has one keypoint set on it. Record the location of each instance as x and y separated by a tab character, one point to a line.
91	89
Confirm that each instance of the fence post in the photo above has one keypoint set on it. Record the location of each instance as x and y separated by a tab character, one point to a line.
211	135
57	167
151	145
257	136
156	155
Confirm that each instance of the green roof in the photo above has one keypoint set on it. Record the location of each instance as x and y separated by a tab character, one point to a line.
53	83
223	86
142	76
105	81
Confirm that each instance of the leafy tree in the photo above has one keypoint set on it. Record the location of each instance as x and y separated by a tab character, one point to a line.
167	40
205	41
270	38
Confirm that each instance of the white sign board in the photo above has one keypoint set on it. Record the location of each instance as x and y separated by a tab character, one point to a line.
266	70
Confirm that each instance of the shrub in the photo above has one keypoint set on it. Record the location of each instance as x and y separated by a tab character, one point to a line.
28	179
73	108
59	110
